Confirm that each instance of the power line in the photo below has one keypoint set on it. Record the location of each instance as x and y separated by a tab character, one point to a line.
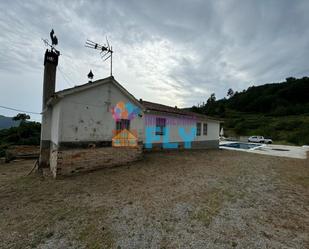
66	79
13	109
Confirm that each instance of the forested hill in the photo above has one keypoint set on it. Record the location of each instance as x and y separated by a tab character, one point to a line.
278	110
278	99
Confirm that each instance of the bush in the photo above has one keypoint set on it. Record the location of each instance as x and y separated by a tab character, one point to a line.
2	150
300	137
289	126
27	133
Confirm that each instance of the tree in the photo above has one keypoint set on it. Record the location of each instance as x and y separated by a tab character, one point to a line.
221	110
290	79
210	107
21	116
211	99
230	93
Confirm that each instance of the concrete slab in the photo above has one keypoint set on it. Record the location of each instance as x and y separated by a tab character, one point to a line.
299	152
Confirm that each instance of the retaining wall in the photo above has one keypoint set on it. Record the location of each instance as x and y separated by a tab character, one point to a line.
70	161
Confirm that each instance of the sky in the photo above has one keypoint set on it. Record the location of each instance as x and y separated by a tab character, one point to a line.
174	52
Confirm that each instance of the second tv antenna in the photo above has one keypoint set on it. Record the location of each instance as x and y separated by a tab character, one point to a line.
106	51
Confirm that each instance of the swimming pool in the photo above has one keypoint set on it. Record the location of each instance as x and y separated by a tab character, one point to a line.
244	146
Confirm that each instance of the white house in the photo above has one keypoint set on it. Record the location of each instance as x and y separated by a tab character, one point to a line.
80	125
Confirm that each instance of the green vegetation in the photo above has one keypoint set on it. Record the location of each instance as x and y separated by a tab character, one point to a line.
27	133
291	129
278	110
210	208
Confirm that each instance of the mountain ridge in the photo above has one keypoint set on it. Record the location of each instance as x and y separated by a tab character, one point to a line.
7	122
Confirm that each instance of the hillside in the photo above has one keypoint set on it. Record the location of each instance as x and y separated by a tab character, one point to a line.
278	99
7	122
276	110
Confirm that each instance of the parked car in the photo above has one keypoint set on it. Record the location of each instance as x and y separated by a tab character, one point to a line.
259	139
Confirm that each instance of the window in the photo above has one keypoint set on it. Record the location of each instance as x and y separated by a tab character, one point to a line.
198	129
204	129
122	124
160	126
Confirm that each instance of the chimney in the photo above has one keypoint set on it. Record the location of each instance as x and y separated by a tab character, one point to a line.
49	81
49	85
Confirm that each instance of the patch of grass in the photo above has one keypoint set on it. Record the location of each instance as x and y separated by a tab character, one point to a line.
301	180
167	227
213	202
96	237
51	214
296	173
211	206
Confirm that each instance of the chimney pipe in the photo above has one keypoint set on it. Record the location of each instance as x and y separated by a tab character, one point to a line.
49	85
49	81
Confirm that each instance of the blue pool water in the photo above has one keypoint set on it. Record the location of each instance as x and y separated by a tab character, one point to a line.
245	146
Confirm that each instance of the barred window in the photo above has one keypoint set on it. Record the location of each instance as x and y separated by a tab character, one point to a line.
122	124
198	129
160	126
204	129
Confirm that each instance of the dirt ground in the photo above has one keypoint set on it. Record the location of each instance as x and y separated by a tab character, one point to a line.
191	199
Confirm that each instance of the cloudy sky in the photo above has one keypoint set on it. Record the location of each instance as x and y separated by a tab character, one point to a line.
175	52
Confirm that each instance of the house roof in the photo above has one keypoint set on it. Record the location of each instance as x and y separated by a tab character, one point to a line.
85	86
145	105
151	106
60	94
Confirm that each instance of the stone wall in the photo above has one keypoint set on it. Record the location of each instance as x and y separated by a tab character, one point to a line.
70	161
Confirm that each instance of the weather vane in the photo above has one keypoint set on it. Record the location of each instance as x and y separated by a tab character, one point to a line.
106	51
54	42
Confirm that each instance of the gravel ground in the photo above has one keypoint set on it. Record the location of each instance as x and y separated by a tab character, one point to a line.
189	199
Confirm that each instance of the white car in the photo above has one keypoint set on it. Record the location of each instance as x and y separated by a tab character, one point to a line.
259	139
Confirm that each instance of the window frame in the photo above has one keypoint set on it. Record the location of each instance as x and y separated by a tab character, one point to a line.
160	123
205	124
122	124
198	129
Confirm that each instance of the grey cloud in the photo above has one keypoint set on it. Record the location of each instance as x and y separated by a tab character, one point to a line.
207	46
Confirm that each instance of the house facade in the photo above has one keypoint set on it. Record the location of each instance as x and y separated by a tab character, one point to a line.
100	124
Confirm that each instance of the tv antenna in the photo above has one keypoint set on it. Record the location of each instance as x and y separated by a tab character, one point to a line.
54	42
106	51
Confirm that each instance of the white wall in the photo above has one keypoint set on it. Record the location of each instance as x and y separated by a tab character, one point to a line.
46	125
173	122
55	123
212	130
85	116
